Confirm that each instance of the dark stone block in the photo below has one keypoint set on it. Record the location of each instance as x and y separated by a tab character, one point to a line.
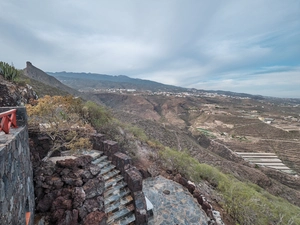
141	216
78	196
134	179
94	187
110	148
79	162
198	196
45	204
121	160
96	140
62	202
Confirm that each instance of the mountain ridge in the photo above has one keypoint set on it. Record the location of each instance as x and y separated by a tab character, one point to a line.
39	75
121	81
82	80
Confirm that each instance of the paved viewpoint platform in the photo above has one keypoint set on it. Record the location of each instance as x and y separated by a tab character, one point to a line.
173	204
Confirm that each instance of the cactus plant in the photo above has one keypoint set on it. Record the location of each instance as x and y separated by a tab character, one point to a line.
8	71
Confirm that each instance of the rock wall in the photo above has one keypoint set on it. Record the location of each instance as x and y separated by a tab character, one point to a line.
16	178
70	192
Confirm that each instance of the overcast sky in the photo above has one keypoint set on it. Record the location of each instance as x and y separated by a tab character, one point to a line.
250	46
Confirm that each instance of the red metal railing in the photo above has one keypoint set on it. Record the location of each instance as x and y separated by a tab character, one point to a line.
8	119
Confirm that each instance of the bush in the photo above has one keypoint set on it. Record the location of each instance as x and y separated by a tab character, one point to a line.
60	117
137	132
97	115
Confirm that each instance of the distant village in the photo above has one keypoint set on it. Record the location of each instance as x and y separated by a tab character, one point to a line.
193	93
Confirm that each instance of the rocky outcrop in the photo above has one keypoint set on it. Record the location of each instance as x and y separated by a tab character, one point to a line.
71	190
12	94
39	75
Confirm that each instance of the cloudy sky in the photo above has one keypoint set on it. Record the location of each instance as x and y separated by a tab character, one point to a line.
250	46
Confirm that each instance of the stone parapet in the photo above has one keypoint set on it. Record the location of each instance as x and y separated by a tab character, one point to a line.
16	178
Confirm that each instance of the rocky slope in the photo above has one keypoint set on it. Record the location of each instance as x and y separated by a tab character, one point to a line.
38	75
173	122
12	94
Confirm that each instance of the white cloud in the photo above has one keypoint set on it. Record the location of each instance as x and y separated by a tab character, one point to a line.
175	42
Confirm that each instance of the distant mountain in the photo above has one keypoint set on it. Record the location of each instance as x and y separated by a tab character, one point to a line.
84	81
38	75
90	81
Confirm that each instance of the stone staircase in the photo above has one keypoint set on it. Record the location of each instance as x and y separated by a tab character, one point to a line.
118	201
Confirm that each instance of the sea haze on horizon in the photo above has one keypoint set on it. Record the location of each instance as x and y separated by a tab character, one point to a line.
241	46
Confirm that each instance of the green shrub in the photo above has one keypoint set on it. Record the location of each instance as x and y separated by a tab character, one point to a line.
138	133
97	115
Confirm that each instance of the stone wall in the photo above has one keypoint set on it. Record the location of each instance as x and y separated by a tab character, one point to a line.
70	191
131	174
16	178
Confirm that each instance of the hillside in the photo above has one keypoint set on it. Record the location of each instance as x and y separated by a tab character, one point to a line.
202	125
39	75
46	84
88	81
198	134
204	121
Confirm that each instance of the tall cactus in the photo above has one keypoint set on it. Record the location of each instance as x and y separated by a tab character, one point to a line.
8	71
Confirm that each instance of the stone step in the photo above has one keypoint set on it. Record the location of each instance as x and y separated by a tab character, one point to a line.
94	153
100	159
113	181
106	169
126	220
119	215
116	197
111	174
118	205
114	189
103	164
118	202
